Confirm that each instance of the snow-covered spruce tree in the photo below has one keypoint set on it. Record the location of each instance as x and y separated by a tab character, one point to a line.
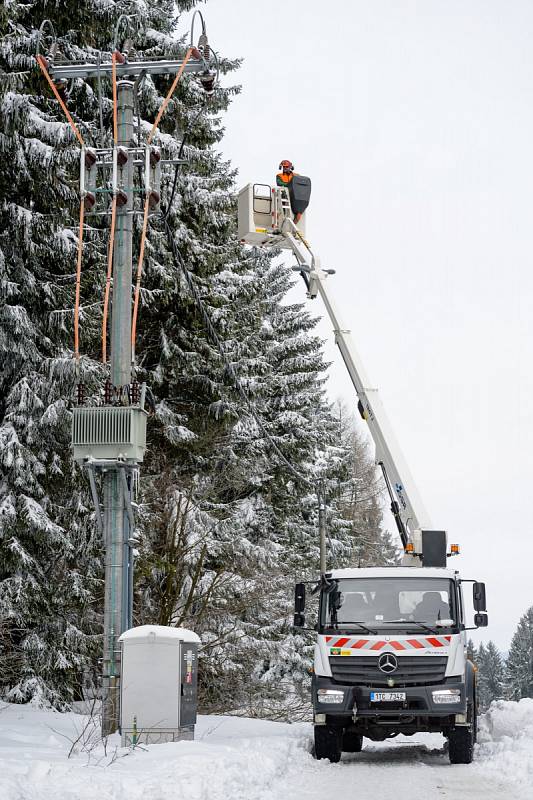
225	525
520	659
244	520
471	651
49	569
491	675
243	531
359	498
50	562
295	413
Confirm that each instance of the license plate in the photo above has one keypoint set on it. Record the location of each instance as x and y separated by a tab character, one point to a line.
387	697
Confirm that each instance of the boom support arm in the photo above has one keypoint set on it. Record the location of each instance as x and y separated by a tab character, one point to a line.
410	515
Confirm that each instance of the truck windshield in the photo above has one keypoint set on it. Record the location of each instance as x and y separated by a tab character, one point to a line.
377	602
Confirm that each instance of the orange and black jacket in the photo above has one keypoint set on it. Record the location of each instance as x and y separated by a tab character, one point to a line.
282	179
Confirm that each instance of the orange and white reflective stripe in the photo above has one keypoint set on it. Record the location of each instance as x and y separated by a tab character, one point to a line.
356	643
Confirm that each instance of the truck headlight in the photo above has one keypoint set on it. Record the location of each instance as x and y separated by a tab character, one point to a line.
330	696
447	696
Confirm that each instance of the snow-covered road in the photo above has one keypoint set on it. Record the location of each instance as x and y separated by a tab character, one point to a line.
244	759
417	768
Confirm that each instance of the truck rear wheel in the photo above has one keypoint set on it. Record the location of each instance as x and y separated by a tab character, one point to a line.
462	740
328	743
352	742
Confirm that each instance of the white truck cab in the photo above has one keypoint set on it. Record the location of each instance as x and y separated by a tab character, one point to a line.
390	657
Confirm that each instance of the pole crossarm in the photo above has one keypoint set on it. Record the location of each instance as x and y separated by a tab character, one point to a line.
162	67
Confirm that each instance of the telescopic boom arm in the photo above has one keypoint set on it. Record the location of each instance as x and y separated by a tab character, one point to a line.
410	515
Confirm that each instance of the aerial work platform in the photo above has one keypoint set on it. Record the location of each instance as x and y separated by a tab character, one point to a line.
263	210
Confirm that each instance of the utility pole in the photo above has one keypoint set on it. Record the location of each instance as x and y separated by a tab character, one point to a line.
109	437
118	558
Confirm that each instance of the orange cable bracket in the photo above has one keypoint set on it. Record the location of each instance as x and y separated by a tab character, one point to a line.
44	68
43	64
171	91
138	278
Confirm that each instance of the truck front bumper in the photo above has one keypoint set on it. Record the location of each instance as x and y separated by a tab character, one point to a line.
418	702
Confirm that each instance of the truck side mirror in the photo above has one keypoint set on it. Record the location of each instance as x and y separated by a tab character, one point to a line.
481	620
299	620
478	591
299	598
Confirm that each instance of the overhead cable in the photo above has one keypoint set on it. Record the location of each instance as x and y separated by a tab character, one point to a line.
237	383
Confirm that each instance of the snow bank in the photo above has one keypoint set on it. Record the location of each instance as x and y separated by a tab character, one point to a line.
237	759
506	740
244	759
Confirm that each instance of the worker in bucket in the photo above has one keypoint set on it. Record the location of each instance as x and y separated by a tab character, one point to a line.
284	178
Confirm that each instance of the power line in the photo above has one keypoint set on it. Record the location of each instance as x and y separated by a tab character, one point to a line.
237	383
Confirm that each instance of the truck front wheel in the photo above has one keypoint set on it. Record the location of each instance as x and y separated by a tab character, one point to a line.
462	740
328	743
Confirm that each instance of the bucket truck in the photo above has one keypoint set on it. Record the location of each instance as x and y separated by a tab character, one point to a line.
390	654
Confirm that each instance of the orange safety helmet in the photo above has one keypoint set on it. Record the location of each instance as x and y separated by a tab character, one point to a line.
286	165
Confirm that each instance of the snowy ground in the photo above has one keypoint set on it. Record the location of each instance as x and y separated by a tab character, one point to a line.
243	759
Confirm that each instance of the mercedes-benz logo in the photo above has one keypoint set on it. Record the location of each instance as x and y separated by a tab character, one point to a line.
388	663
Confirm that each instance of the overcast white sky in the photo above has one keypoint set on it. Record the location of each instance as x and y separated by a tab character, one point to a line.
415	122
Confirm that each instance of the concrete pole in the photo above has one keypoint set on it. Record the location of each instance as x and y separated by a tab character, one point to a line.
116	529
122	262
114	573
